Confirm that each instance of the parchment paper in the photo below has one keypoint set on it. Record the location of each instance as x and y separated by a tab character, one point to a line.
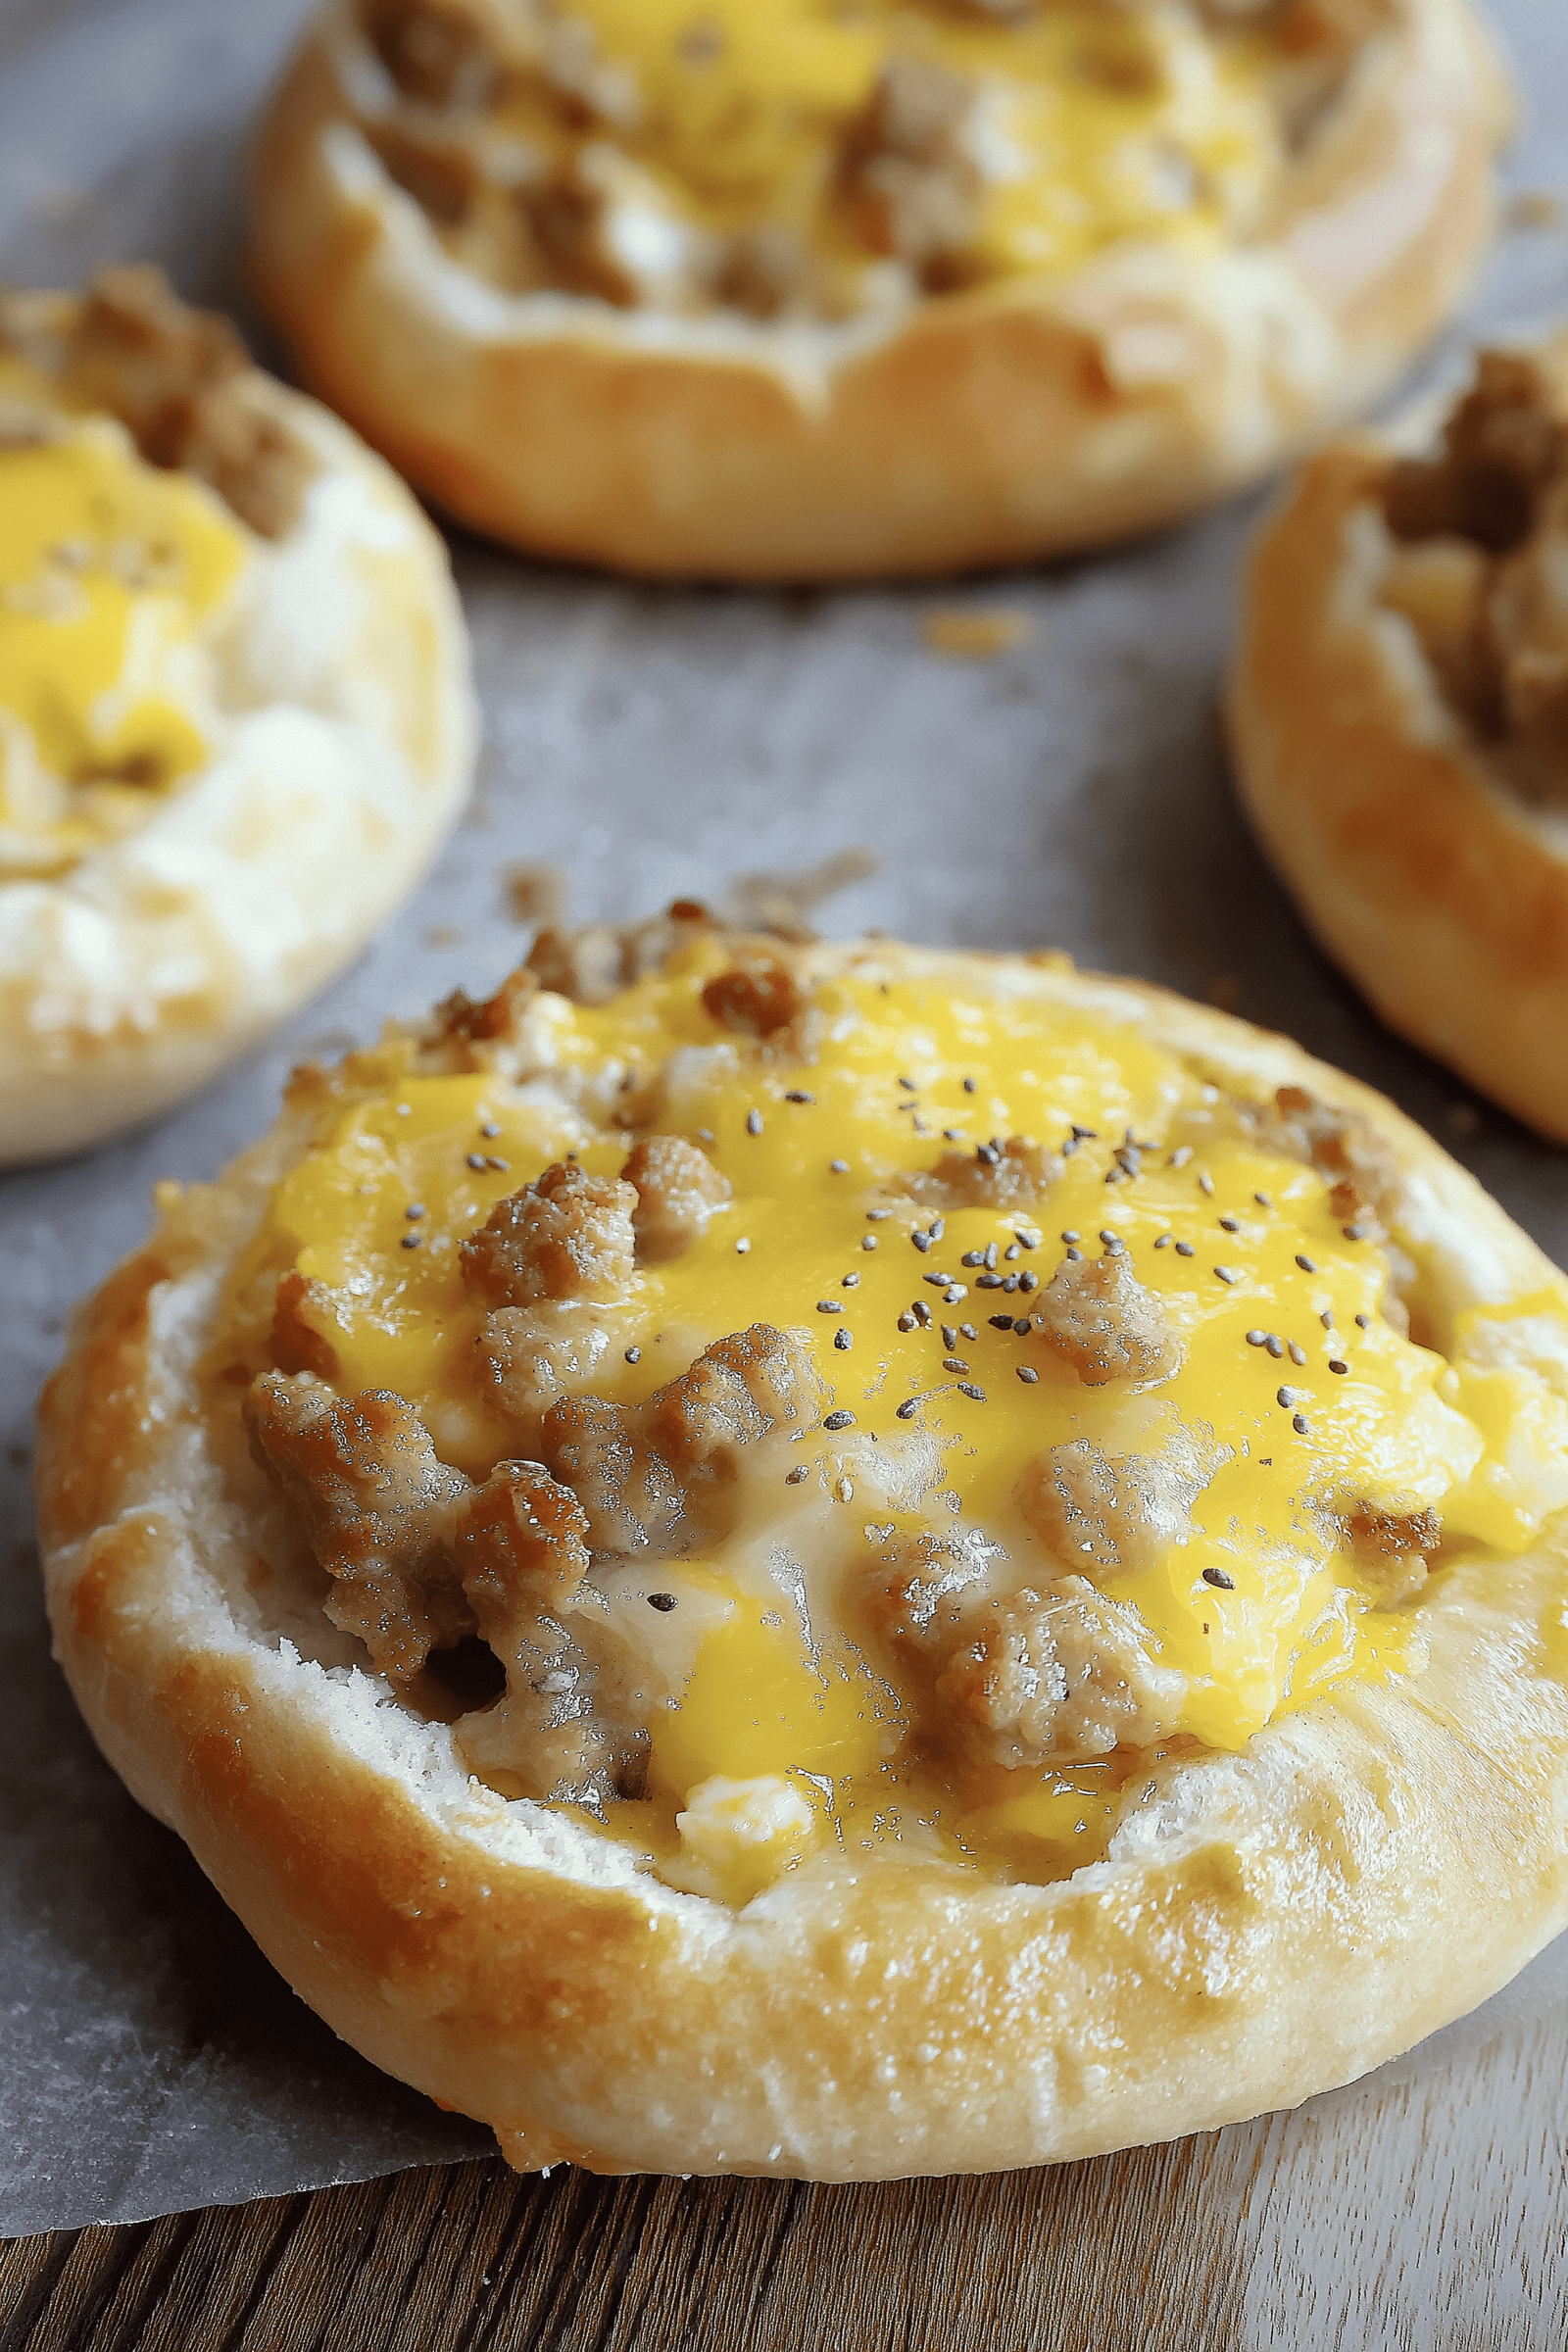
648	744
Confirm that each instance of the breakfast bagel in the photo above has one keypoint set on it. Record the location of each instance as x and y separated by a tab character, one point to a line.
236	716
836	1560
1398	711
801	292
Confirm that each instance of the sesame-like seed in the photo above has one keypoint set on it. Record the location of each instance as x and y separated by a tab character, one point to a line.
1071	1234
908	1408
1026	1237
798	1094
1163	1240
1365	1322
850	1281
966	1388
968	1086
1000	1322
973	1257
1297	1351
954	1363
922	1313
634	1356
869	1241
1338	1364
1257	1338
705	1135
1022	1325
909	1085
987	1155
1075	1257
1113	1241
845	1489
474	1159
1275	1345
1262	1200
502	1167
1229	1273
1326	1318
1009	1282
938	1282
988	1282
875	1216
1181	1155
844	1340
1028	1279
1288	1397
1184	1249
954	1292
921	1240
754	1122
830	1306
841	1167
1219	1580
1230	1224
1307	1264
937	1228
1085	1135
1027	1374
1012	1251
664	1602
905	1321
411	1241
839	1420
967	1331
415	1210
1300	1424
490	1131
991	1257
953	1134
742	1246
1205	1184
793	1478
950	1337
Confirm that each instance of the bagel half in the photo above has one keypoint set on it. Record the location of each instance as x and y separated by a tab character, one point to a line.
159	914
1362	1849
1398	716
600	411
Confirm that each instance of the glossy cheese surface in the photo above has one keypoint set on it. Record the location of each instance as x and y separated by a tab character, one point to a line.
1080	125
109	571
1230	1239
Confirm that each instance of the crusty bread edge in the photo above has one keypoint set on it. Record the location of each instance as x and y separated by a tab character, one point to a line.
991	428
1442	893
163	1024
1269	1925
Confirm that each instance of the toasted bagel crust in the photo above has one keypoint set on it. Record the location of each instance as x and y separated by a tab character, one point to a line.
1027	419
130	979
1441	891
1279	1921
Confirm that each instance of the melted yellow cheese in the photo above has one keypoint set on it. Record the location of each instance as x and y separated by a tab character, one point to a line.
1091	123
1229	1238
108	569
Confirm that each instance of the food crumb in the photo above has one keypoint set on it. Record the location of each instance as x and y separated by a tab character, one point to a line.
974	636
535	894
1535	208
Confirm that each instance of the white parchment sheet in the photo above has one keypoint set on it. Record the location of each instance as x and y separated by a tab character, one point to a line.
648	744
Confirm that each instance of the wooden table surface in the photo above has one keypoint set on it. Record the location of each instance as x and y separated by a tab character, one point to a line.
1424	2210
466	2256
